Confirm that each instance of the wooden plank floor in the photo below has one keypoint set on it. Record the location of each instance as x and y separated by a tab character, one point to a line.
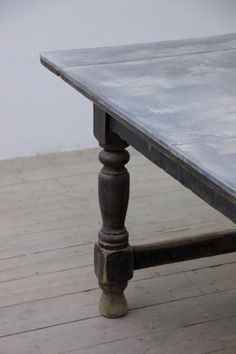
48	293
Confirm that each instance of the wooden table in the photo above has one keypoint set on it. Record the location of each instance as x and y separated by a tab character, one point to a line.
175	102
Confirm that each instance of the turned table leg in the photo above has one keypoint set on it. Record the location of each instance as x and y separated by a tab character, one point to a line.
113	257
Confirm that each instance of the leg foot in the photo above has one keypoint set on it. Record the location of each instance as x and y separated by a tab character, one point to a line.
113	269
113	303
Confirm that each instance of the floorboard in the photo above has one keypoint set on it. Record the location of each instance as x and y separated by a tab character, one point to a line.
49	218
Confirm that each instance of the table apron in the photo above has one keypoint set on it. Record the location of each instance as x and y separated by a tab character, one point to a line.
174	167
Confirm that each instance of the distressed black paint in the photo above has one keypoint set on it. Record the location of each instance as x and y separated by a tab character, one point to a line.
175	102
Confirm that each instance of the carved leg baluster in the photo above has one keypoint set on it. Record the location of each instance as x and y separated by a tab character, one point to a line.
113	257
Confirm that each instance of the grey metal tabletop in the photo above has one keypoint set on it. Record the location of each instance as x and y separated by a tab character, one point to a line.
180	94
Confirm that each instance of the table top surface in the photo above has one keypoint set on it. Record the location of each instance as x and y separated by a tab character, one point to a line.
180	94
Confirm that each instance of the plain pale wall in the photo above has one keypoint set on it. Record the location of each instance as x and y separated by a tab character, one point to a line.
39	113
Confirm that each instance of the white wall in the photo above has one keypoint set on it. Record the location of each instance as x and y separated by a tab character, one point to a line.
39	113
